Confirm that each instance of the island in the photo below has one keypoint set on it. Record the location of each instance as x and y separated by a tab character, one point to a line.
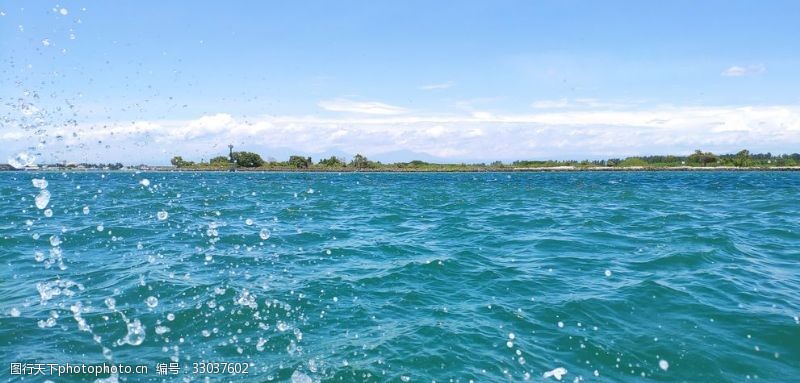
250	161
699	160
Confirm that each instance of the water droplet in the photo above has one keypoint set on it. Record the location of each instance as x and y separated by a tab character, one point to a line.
48	213
246	299
145	182
162	215
22	160
14	312
264	234
39	183
46	42
135	335
63	11
556	373
42	199
151	302
170	317
248	222
663	364
55	241
299	377
85	210
560	324
608	273
100	228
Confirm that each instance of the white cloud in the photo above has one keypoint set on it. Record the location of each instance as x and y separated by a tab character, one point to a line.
574	133
739	71
564	103
551	104
362	107
475	103
443	85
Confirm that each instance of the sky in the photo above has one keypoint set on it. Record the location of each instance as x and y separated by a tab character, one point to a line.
467	81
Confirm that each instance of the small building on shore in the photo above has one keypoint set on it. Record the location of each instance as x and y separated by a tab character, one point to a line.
156	168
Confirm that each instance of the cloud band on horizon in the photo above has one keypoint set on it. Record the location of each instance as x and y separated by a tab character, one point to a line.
479	136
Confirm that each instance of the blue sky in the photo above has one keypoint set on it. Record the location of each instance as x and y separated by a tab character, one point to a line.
460	81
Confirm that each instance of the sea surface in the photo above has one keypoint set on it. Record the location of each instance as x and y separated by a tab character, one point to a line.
375	277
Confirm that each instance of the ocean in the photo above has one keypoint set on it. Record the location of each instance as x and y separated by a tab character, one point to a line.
395	277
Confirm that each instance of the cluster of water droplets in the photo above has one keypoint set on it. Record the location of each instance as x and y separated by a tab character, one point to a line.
51	125
42	115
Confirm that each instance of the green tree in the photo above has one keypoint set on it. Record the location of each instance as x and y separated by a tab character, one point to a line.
220	161
702	158
360	162
179	162
633	161
332	162
300	162
742	158
248	159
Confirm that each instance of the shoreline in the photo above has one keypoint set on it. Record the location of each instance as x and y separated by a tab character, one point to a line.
554	169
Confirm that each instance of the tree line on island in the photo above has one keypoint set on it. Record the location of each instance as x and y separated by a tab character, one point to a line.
699	158
254	160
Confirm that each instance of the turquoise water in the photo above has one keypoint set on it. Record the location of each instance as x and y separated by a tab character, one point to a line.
614	277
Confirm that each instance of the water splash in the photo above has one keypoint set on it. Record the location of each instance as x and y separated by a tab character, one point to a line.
246	299
151	302
42	199
22	160
135	335
39	183
299	377
557	373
